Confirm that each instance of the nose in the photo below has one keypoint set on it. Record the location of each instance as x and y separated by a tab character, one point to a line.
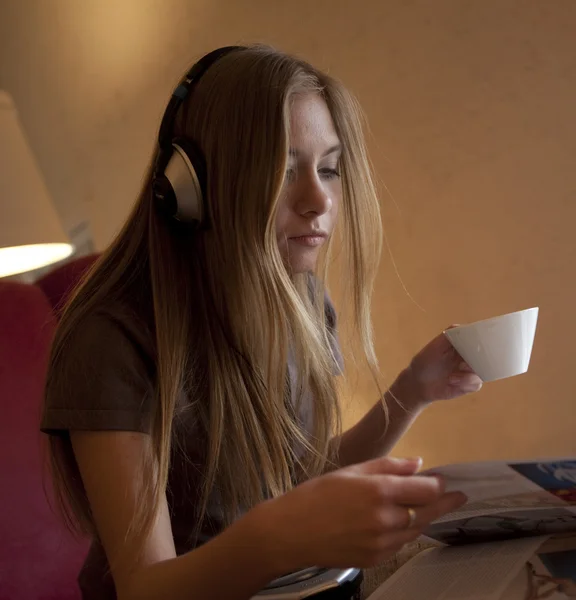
313	198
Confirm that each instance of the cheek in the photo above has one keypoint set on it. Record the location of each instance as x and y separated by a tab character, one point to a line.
336	206
282	218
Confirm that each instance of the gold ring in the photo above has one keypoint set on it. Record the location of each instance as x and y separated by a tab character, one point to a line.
411	518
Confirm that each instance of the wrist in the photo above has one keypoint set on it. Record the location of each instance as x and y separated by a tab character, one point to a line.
248	538
259	528
406	390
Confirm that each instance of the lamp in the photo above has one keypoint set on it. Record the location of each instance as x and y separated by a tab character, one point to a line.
31	235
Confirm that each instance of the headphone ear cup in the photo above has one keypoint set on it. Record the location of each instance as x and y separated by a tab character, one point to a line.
164	195
196	159
186	174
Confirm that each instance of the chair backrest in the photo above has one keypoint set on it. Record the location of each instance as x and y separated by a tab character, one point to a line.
59	282
39	559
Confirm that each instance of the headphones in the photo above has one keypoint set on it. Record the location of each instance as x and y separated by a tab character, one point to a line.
179	179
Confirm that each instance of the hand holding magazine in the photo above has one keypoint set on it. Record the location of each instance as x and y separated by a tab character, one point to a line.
514	539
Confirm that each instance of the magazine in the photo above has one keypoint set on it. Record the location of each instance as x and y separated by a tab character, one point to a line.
514	538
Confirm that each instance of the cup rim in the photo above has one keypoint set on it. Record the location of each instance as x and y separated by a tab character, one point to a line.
485	321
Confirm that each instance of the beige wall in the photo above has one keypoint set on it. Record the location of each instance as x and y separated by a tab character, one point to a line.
472	108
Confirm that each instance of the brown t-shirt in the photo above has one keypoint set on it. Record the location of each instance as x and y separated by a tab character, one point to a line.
107	380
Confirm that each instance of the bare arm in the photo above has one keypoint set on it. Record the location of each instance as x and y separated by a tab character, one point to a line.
107	462
301	528
437	372
375	435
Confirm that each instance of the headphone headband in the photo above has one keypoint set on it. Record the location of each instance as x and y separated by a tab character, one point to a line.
183	90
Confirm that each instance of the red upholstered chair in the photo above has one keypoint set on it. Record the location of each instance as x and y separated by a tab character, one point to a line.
59	282
39	559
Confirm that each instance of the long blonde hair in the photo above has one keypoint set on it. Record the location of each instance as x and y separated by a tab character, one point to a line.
206	285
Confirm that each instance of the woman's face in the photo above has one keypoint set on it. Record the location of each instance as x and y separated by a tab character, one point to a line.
312	192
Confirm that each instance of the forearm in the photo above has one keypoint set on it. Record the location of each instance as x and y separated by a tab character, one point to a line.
232	566
377	432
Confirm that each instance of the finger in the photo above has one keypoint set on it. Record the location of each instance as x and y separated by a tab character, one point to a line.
393	541
443	345
404	529
464	367
467	382
390	466
447	503
412	491
395	517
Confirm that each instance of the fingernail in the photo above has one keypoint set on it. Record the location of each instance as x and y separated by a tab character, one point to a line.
454	379
460	498
416	459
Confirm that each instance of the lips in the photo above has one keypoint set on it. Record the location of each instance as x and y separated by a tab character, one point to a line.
310	233
311	239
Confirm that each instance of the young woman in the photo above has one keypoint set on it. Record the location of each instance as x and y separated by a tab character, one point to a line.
191	397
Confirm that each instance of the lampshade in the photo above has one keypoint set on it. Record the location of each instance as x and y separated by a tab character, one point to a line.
31	235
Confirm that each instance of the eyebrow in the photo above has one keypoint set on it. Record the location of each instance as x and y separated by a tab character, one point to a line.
331	150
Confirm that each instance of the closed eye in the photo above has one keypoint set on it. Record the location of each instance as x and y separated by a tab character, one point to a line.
329	173
290	175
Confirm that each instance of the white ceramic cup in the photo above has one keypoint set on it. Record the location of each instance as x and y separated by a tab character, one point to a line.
499	347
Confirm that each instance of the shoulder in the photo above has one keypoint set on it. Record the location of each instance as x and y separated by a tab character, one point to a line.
101	374
330	312
113	330
318	290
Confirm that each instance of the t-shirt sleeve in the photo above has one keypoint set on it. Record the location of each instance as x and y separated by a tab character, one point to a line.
100	381
332	325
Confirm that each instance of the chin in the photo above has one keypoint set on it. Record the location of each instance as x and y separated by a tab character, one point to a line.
301	265
301	262
301	269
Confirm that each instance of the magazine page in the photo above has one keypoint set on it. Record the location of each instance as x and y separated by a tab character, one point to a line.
476	572
522	569
508	500
551	573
